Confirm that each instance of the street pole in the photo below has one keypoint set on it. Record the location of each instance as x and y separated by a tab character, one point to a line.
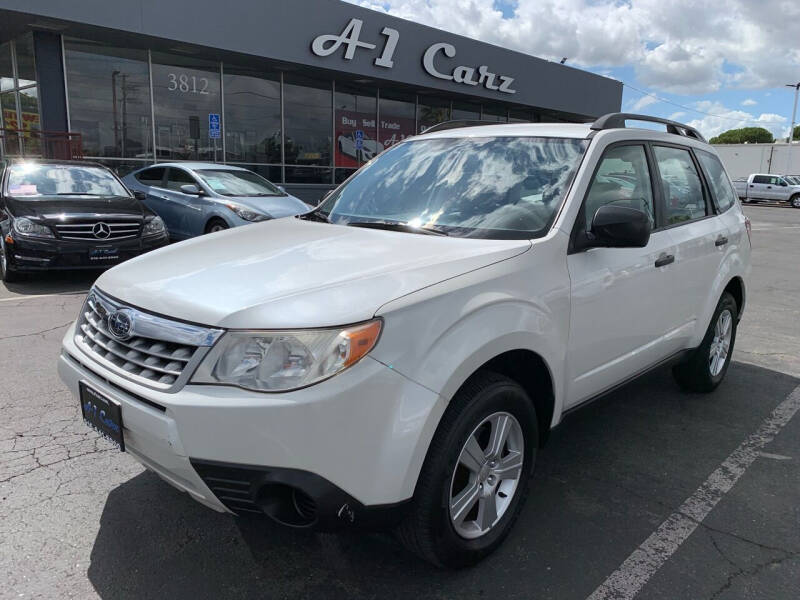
796	87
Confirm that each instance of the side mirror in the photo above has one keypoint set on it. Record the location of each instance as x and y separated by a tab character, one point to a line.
616	226
139	195
192	189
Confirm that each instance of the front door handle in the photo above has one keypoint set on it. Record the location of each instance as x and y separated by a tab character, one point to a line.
769	187
665	259
721	241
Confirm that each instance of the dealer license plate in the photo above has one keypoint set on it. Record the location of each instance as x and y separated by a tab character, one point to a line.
103	414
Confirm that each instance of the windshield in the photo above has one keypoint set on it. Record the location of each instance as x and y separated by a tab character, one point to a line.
499	187
238	183
41	179
792	179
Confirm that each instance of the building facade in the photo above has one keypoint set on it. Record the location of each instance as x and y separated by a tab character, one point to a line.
301	91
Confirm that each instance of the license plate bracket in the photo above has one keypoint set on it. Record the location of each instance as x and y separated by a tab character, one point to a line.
102	413
104	253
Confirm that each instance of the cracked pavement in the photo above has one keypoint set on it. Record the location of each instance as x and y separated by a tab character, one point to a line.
79	519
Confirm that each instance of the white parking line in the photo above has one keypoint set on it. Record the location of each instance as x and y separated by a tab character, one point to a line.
642	564
32	296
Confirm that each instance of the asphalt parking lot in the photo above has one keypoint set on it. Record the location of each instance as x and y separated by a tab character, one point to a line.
652	490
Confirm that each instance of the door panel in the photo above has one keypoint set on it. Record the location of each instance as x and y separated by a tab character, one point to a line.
622	318
695	230
180	206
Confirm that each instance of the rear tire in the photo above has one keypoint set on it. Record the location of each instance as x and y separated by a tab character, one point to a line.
216	224
706	367
795	201
445	527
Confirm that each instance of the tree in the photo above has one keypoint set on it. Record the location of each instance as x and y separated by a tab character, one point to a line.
745	135
796	135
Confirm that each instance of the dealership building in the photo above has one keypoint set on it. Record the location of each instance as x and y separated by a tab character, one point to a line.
301	91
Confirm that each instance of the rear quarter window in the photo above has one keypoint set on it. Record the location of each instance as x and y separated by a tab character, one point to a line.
717	178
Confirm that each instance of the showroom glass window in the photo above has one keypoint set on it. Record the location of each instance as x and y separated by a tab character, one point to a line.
494	112
355	131
186	91
466	111
396	118
252	115
432	111
308	114
109	99
19	103
521	115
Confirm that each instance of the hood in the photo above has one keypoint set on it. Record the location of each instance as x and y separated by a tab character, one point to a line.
59	208
275	206
294	273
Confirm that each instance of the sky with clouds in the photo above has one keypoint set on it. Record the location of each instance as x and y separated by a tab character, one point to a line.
715	64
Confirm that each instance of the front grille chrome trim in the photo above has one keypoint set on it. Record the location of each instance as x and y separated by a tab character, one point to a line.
160	353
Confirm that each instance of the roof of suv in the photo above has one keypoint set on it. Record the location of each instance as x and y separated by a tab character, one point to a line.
198	165
562	130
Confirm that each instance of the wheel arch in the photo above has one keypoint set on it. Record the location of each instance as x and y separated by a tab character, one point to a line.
736	289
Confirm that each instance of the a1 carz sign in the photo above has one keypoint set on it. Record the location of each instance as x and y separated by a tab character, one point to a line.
328	44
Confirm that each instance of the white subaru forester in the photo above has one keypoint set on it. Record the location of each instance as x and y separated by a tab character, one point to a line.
395	357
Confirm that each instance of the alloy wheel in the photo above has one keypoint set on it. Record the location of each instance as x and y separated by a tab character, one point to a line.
487	475
720	345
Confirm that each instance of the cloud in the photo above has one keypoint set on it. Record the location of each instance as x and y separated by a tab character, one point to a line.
677	116
643	102
749	102
680	46
722	118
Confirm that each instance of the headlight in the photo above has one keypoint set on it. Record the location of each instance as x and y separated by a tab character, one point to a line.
278	361
153	227
25	226
247	214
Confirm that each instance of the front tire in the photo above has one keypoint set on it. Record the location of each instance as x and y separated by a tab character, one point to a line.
215	225
475	477
795	201
7	274
709	362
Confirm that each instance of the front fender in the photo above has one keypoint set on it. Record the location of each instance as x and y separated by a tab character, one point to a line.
439	336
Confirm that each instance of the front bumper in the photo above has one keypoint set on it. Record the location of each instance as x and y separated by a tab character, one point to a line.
357	439
30	254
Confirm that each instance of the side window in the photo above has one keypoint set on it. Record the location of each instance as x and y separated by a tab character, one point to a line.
622	178
775	180
724	195
178	177
681	185
760	179
152	176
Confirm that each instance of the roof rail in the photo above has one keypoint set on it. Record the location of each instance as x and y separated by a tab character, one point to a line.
445	125
617	121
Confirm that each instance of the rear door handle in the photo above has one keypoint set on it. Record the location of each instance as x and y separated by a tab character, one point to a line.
721	241
665	259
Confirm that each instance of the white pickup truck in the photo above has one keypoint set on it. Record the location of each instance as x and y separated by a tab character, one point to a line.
763	187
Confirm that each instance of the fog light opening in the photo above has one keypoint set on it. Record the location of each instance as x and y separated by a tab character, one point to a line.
287	505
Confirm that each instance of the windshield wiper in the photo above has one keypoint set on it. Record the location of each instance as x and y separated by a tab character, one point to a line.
77	194
396	226
315	215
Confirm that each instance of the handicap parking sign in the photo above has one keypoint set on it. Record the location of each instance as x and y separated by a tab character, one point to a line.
213	126
359	139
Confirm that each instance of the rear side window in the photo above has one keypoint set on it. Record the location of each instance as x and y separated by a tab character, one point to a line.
721	187
152	176
766	179
681	185
622	178
178	177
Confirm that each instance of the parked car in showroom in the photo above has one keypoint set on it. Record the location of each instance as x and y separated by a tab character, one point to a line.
198	198
763	187
69	215
396	357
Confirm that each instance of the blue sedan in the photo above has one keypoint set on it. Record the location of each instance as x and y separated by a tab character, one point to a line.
198	198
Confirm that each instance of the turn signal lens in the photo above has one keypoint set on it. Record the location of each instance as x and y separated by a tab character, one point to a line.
359	341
